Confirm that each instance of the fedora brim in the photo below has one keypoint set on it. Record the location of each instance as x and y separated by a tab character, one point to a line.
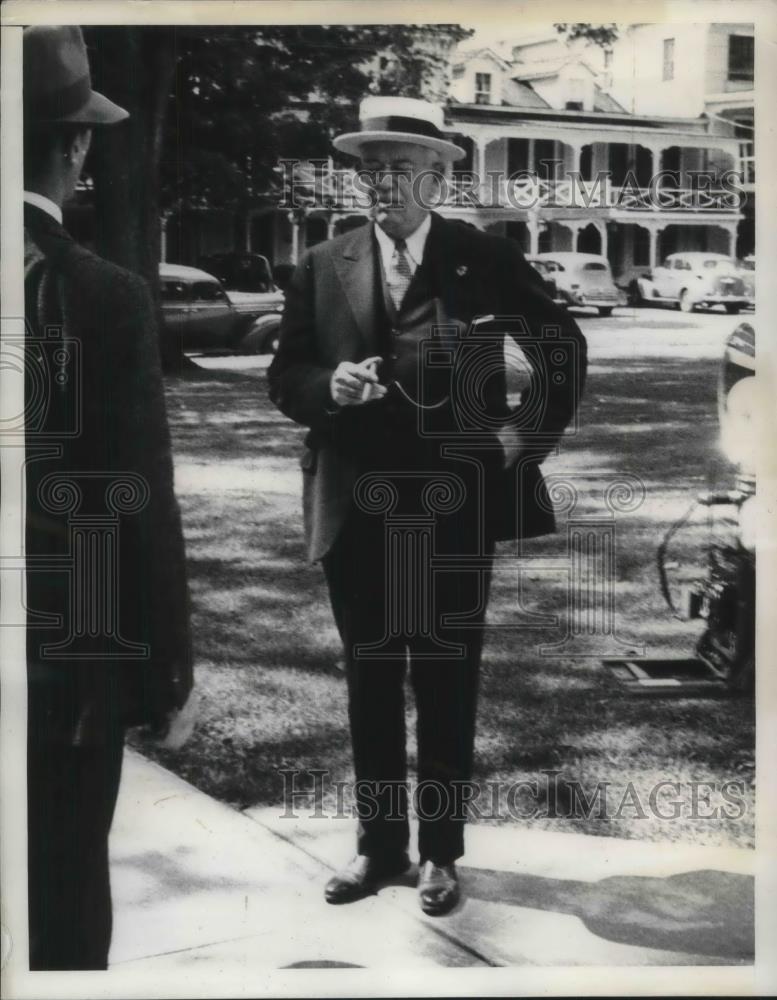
98	110
352	142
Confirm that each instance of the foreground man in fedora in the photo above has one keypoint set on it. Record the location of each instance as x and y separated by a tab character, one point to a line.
107	640
385	442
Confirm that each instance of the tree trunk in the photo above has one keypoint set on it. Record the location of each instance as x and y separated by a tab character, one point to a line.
134	66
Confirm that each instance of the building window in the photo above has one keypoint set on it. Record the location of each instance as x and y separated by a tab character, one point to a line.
668	73
740	57
574	106
482	88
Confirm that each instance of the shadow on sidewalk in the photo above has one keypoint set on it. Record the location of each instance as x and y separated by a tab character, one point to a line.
700	912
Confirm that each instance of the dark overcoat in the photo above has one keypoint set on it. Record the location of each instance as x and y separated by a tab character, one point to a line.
332	314
99	474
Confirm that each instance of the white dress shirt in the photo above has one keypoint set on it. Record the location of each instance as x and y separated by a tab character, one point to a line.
44	204
416	242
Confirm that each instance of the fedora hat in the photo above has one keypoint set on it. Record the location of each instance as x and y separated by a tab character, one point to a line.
399	119
57	82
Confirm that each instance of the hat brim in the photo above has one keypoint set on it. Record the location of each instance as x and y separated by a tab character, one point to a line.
98	110
351	142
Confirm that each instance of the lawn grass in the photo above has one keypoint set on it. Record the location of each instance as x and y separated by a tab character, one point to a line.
267	654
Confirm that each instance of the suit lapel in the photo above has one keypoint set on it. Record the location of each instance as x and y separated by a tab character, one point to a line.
455	272
355	266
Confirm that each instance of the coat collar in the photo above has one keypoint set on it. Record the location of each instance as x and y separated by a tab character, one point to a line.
46	231
356	267
448	252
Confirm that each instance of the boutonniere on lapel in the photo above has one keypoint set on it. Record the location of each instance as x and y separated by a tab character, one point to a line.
462	270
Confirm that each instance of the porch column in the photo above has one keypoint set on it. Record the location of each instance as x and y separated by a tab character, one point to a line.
163	238
294	237
602	227
330	227
479	166
247	243
654	232
576	148
533	225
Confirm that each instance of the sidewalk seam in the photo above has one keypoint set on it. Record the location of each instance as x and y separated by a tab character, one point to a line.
440	931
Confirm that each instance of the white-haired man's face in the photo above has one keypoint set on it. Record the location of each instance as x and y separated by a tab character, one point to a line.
404	177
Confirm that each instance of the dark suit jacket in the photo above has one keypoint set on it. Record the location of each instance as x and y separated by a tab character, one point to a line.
331	315
116	398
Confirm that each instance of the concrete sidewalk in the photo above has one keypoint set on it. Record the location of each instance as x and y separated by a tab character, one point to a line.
195	880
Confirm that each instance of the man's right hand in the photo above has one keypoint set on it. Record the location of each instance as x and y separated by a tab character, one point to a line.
355	383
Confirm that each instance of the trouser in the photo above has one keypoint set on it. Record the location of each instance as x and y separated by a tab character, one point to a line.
71	795
371	608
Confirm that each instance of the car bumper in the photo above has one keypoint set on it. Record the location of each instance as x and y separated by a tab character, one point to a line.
723	300
597	300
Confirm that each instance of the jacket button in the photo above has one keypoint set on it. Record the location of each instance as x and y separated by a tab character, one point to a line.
394	357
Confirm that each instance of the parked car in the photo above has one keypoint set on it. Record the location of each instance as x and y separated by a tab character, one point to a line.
583	279
691	279
747	270
252	290
547	271
198	313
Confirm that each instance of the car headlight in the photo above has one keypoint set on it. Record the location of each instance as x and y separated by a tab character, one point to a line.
748	523
739	437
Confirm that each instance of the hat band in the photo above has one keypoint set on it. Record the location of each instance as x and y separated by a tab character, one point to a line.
60	103
399	123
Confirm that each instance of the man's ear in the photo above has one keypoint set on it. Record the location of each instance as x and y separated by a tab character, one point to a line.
80	142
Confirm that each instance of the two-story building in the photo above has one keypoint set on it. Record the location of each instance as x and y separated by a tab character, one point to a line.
649	73
623	151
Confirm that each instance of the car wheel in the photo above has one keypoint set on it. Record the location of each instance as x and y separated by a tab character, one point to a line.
686	304
634	294
732	310
605	310
262	336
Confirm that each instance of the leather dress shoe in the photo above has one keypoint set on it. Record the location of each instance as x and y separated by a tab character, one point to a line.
438	888
362	876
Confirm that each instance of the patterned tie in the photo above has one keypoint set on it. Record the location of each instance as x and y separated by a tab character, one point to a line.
401	273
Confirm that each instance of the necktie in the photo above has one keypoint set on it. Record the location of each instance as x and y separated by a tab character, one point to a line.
401	273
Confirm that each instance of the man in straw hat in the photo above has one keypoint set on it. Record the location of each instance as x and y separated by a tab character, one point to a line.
108	634
403	465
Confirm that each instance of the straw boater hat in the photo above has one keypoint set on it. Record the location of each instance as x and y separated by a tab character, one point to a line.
399	119
57	82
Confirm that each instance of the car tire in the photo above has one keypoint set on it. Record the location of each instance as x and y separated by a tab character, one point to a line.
605	310
685	303
732	310
262	336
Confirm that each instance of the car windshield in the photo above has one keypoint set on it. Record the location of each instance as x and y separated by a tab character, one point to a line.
594	266
748	265
714	262
243	274
208	291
